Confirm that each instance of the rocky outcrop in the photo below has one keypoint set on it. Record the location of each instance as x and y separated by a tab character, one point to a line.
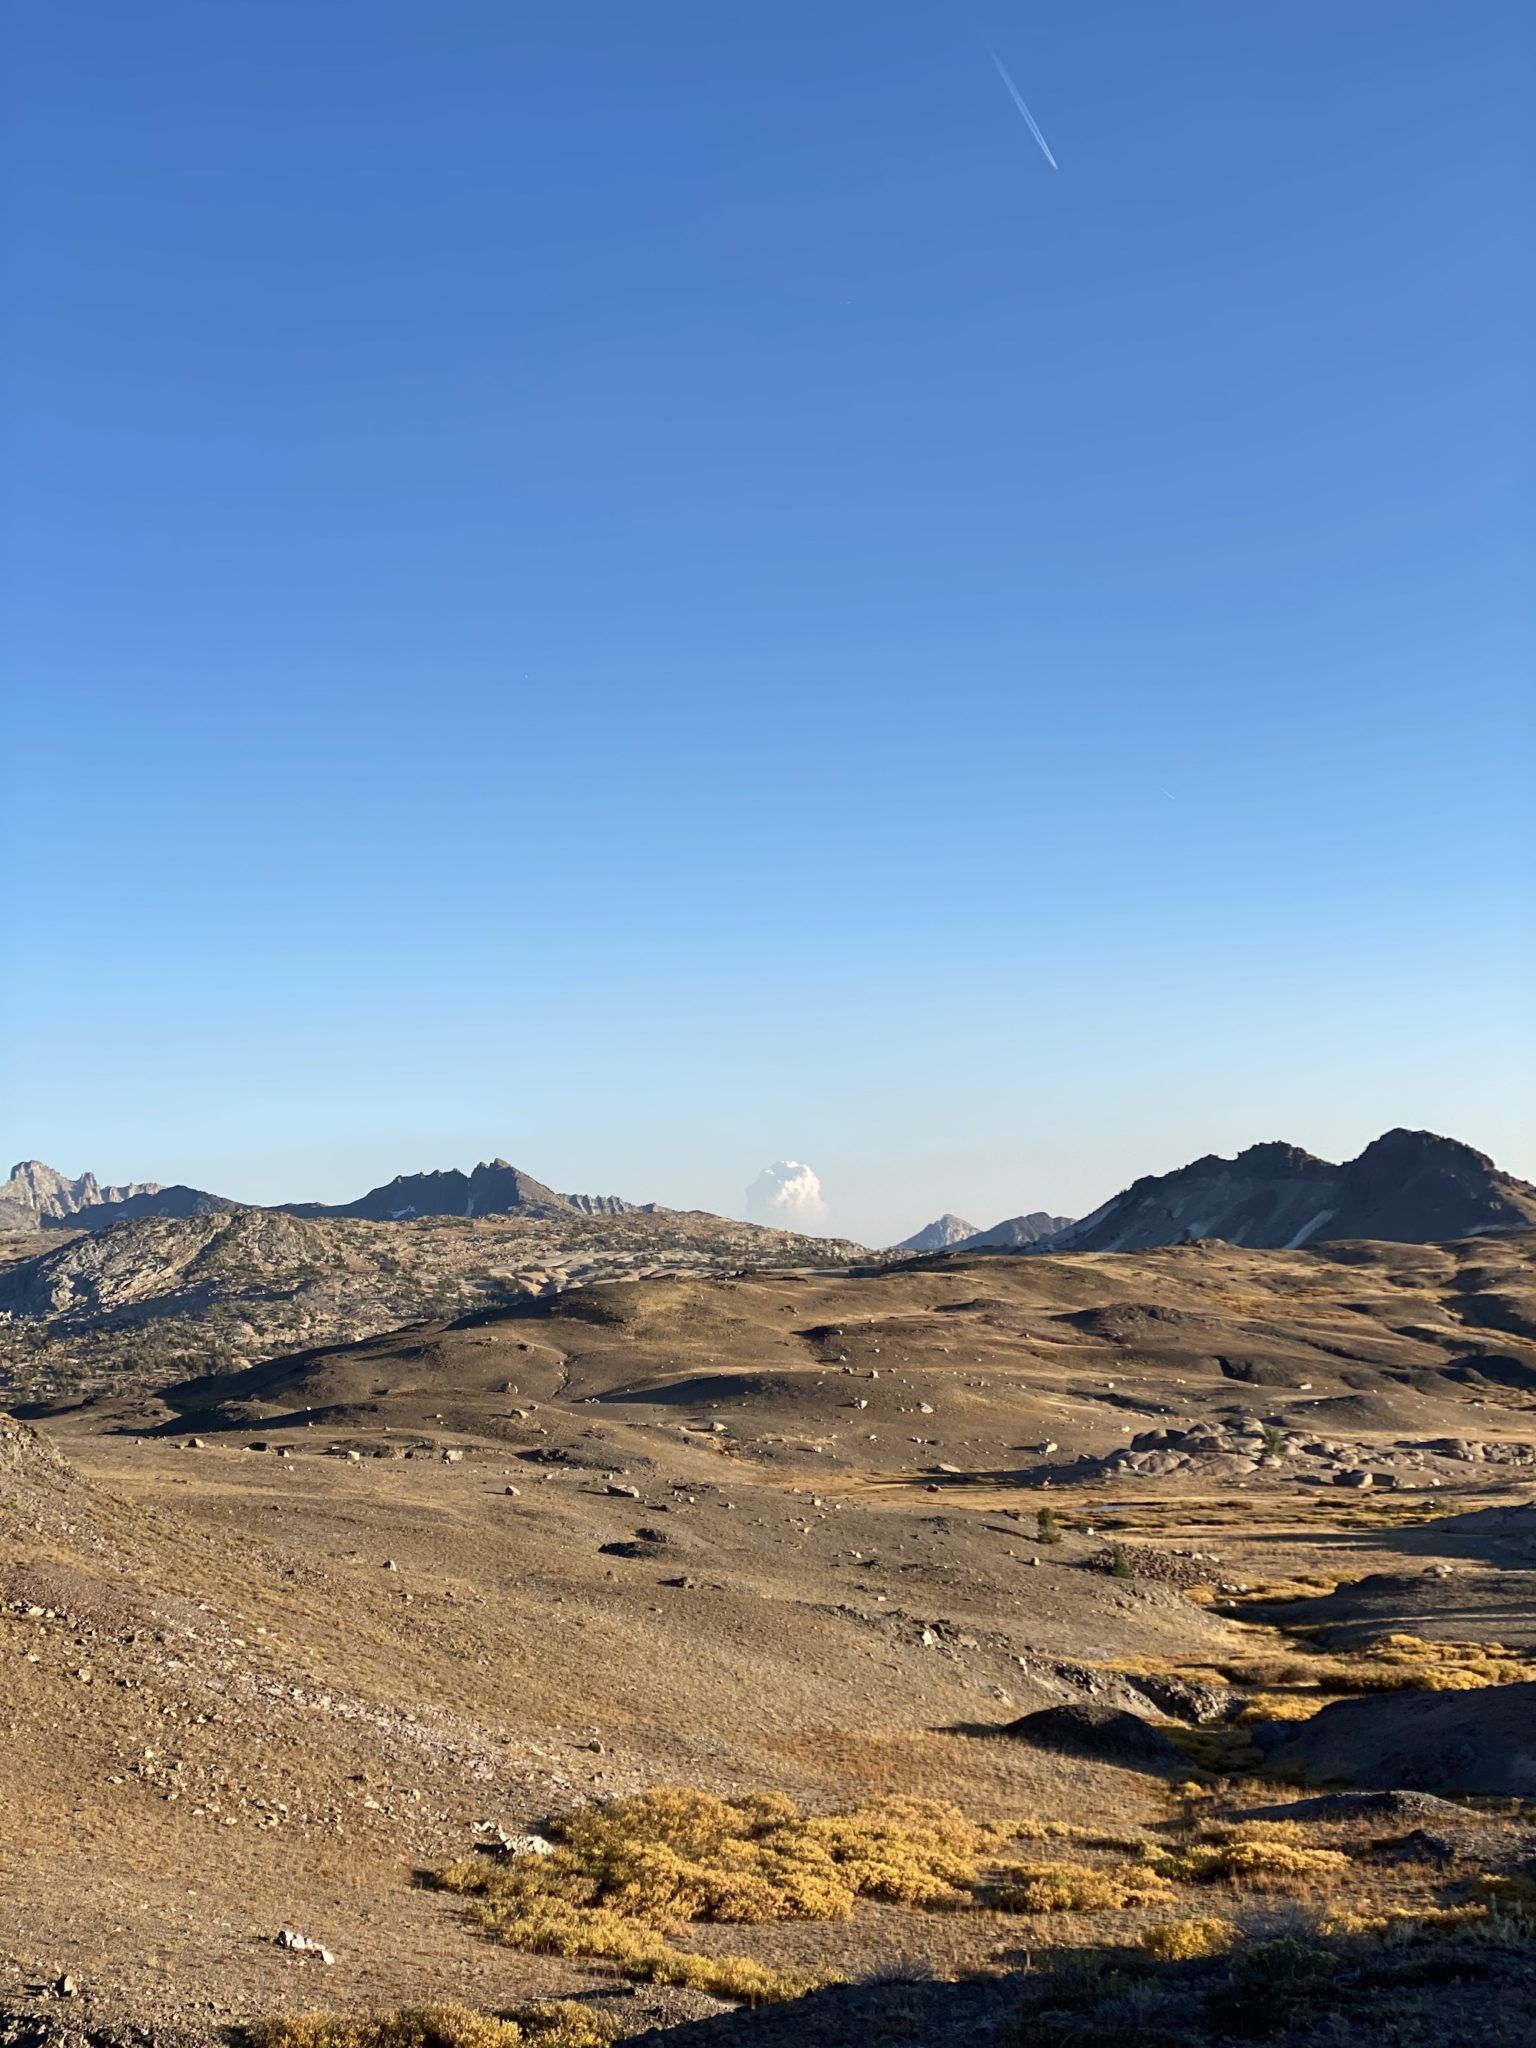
38	1197
25	1457
1211	1451
603	1205
1410	1187
37	1194
178	1200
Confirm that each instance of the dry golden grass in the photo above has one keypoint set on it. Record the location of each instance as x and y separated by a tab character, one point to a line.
1394	1663
1253	1856
631	1871
1034	1830
1075	1888
558	2023
1287	1682
1385	1513
1411	1661
1500	1909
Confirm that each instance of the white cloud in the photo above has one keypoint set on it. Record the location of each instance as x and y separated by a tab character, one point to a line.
787	1195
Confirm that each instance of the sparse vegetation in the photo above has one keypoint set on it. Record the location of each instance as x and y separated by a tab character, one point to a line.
1075	1888
1182	1941
630	1871
1226	1752
1048	1526
1253	1856
556	2023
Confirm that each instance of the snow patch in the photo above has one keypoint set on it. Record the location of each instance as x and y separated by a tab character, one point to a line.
1307	1229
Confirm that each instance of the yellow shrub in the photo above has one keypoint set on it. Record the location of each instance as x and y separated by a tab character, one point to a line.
1409	1924
627	1871
1404	1661
1252	1865
1182	1941
554	2024
1075	1888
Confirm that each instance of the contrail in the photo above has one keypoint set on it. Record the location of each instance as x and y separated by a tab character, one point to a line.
1018	100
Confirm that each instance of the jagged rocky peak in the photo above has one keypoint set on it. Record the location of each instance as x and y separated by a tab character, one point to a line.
37	1193
1412	1187
495	1188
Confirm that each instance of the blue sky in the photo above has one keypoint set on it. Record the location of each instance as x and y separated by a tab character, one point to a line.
649	589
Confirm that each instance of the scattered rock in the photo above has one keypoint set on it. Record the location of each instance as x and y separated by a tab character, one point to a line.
301	1944
500	1843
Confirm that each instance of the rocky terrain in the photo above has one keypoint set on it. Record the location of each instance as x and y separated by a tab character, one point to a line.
36	1194
162	1297
1408	1186
314	1625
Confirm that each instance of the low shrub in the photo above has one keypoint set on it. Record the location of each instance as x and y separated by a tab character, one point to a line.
1514	1897
557	2023
1185	1941
1075	1888
629	1871
1283	1968
1252	1862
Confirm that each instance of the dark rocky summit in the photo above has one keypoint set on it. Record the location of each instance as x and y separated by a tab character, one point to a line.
1409	1187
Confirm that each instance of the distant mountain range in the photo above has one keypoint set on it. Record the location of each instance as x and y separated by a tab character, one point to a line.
952	1233
1015	1232
938	1236
1411	1187
493	1189
1408	1186
37	1197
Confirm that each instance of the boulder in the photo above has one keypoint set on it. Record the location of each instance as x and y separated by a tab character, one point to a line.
1105	1734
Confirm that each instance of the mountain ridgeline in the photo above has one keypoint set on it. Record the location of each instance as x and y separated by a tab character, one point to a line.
37	1197
1408	1187
493	1189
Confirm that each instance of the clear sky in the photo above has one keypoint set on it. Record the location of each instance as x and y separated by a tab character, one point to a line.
649	589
